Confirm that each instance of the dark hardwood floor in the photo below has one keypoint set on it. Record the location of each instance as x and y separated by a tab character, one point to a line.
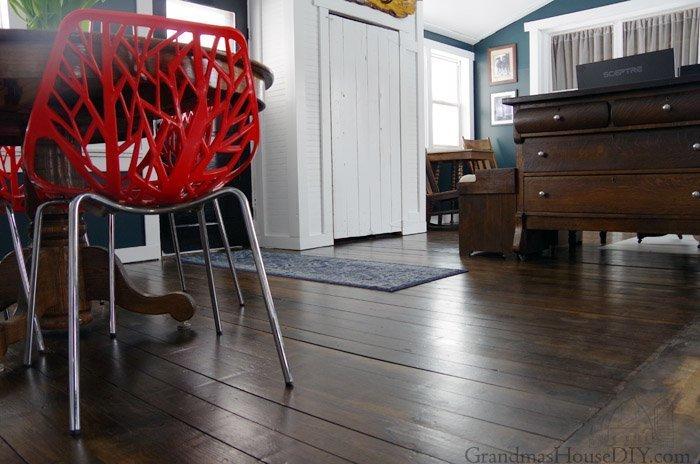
509	356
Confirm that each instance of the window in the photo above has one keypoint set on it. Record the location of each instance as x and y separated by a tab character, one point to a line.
449	108
575	48
189	11
558	44
678	31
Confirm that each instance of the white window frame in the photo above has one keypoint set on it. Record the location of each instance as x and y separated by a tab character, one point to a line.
229	16
614	15
465	86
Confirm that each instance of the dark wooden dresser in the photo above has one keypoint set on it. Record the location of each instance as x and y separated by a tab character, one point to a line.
621	159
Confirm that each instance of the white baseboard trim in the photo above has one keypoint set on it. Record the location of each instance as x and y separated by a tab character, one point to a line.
414	228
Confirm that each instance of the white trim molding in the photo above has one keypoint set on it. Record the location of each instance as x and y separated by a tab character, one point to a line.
466	89
452	34
494	26
615	15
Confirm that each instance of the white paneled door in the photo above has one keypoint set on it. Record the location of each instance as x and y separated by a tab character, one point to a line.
365	128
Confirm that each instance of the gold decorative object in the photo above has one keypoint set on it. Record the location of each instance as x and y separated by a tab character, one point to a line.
398	8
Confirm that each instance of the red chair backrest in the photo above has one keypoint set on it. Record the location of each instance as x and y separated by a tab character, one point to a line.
178	119
11	191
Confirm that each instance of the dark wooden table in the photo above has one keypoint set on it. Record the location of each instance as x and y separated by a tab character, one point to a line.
23	56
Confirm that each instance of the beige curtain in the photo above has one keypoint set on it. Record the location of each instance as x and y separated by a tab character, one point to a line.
676	30
570	50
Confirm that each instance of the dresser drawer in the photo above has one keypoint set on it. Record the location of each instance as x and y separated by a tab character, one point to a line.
562	118
664	194
638	150
672	107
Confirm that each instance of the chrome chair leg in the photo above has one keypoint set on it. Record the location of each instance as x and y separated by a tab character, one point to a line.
33	328
73	281
112	271
31	299
265	285
73	319
227	249
204	236
176	247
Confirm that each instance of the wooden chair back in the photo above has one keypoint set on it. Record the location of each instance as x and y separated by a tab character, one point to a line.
481	154
440	203
431	184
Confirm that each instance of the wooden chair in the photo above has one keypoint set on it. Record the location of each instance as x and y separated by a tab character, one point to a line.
481	153
437	202
476	155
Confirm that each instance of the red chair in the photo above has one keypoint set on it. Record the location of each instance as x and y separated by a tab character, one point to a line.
153	87
12	195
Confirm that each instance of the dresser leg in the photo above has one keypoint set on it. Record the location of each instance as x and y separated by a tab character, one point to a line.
603	237
519	236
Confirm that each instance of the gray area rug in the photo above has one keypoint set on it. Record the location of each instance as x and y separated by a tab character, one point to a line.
385	277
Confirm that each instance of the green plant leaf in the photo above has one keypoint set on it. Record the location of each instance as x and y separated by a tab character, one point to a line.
47	14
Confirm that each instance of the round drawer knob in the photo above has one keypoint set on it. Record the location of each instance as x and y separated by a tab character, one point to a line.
696	194
542	154
696	146
666	107
557	117
543	194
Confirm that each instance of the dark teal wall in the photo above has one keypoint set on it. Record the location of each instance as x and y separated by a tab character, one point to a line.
502	136
448	40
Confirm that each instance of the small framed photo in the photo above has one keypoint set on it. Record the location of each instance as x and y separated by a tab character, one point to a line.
502	114
503	64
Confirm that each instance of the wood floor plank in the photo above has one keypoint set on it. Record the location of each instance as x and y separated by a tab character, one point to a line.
511	355
265	380
7	454
117	427
342	442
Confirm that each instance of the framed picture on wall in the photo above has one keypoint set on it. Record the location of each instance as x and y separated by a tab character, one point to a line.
503	64
501	114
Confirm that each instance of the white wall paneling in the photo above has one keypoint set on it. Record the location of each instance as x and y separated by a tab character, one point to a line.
366	140
293	176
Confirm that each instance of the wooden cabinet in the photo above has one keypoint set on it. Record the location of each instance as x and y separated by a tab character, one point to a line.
616	159
674	148
642	194
488	206
659	109
556	118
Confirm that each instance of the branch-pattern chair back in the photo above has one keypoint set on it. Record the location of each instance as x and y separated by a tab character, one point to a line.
177	119
11	190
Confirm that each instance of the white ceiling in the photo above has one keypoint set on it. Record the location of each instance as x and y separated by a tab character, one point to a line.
473	20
